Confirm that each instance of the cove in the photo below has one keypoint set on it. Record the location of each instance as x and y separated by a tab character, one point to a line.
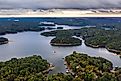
32	43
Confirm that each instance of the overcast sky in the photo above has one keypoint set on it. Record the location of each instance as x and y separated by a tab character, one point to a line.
60	3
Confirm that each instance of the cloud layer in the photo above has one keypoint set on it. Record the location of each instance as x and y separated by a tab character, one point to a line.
60	3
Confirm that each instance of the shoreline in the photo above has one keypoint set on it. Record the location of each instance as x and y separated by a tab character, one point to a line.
89	45
71	71
71	41
68	69
51	67
110	50
64	45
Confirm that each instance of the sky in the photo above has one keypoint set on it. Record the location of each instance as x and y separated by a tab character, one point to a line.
60	3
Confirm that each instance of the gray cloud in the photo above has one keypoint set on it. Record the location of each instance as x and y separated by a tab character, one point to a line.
60	3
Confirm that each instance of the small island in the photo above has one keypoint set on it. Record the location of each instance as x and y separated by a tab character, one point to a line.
3	40
65	39
48	34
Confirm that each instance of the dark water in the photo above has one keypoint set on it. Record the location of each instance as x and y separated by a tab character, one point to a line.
31	43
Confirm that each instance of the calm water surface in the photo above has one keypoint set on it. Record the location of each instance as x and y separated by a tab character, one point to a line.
31	43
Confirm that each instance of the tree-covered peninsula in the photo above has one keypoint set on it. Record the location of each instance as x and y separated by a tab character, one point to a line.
86	68
95	37
24	69
12	27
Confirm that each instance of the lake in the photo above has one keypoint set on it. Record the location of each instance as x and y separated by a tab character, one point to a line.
32	43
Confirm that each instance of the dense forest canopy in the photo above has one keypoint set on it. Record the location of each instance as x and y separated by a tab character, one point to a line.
88	68
64	38
81	67
24	69
9	25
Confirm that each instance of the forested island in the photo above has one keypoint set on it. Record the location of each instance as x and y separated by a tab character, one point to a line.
65	39
95	37
3	40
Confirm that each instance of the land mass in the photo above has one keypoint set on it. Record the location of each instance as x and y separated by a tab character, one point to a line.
25	69
65	42
94	37
80	67
65	39
86	68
